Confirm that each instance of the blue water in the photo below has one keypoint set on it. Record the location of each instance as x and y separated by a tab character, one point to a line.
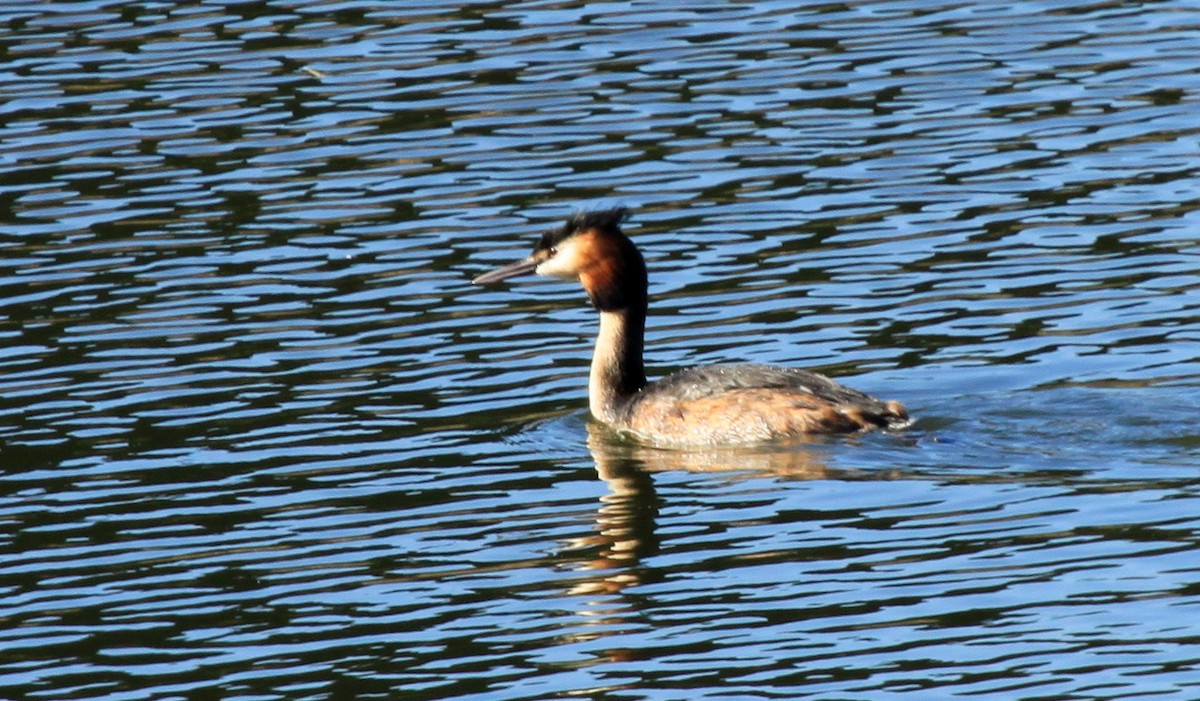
261	439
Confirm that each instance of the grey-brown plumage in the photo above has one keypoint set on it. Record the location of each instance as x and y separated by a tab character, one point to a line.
738	404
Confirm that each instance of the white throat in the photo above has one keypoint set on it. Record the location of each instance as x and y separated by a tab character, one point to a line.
604	391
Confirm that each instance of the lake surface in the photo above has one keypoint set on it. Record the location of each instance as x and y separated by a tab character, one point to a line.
261	439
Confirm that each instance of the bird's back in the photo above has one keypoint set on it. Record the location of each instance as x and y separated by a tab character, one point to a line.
745	404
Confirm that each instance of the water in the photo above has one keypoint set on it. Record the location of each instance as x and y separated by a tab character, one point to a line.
262	440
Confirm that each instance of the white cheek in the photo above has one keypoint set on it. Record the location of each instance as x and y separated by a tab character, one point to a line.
564	264
556	267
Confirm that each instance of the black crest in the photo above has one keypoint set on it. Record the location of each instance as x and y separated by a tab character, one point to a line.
606	220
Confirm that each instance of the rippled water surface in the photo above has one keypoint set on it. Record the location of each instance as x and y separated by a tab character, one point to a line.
261	439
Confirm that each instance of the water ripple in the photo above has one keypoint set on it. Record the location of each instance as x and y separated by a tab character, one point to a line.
261	438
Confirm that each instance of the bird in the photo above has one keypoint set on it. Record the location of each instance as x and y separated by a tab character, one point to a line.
700	407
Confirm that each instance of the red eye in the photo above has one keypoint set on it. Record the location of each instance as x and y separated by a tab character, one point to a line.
553	251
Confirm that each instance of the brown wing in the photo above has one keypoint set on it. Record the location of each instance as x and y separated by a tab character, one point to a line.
753	404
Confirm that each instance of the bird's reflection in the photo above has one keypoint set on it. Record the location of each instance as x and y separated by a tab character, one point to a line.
626	535
626	519
626	524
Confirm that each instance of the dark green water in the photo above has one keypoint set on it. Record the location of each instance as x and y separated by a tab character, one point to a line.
260	439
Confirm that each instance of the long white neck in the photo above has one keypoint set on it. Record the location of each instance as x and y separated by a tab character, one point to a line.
617	370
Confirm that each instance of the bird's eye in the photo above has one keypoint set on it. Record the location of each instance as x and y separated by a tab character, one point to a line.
553	251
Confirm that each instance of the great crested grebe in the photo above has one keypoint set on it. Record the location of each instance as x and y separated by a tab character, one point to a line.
718	405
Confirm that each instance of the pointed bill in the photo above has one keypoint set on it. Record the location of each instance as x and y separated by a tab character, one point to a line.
521	267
